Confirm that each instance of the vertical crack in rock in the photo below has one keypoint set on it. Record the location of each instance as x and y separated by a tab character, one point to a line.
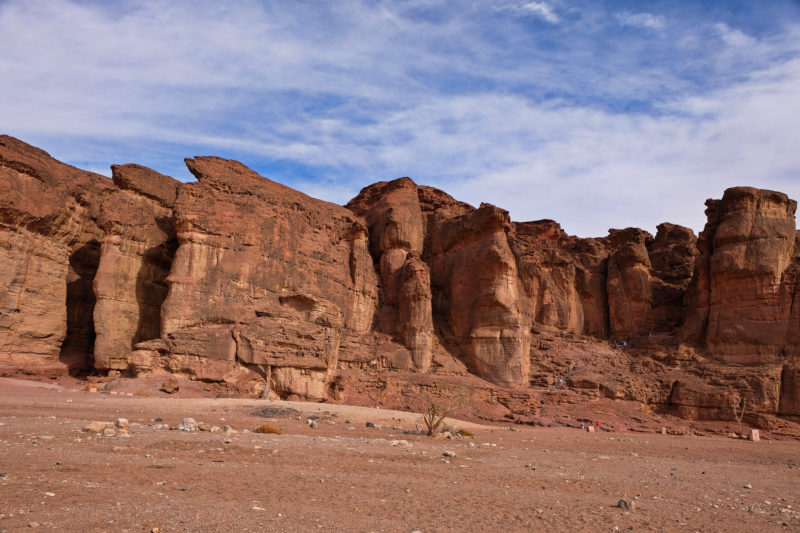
396	236
80	303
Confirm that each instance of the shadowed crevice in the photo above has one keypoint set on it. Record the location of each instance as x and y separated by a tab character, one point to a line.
77	350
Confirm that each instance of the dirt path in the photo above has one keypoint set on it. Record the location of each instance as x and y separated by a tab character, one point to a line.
333	478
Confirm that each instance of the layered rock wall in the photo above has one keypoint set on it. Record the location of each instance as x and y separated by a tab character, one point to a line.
740	305
136	253
235	278
475	272
397	234
50	252
35	237
264	275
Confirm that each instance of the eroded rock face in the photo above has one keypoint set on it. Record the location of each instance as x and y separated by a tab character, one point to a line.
50	250
34	260
740	304
447	273
591	259
264	276
757	390
136	253
790	389
237	279
672	254
622	286
397	235
414	312
628	283
548	274
86	258
648	278
475	271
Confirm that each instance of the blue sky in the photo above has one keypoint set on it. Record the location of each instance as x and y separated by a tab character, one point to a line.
598	114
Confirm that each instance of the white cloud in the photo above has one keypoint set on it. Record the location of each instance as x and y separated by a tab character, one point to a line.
542	10
587	168
368	90
732	36
640	20
621	170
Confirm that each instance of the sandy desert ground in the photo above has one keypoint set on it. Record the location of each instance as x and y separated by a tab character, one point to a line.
344	476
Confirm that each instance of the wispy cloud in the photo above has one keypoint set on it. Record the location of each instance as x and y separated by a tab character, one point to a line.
568	118
640	20
541	10
620	169
733	36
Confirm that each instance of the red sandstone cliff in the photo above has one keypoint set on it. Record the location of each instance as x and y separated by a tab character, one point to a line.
51	247
136	252
237	279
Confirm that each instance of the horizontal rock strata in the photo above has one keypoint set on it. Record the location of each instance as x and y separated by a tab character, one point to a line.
236	279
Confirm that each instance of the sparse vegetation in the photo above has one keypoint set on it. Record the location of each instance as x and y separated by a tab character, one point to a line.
266	428
437	410
738	407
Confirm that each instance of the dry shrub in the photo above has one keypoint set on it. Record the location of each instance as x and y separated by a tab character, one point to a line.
437	409
266	428
738	406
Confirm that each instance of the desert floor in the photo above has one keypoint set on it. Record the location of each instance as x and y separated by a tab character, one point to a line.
343	476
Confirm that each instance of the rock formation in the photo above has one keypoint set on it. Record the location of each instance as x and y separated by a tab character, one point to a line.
475	272
466	259
548	274
745	280
51	249
263	277
237	279
397	233
136	253
740	306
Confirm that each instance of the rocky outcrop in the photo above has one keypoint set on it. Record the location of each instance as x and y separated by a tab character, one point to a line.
622	286
237	279
548	273
672	255
50	254
136	253
740	304
414	313
425	243
475	272
397	235
264	277
728	393
628	283
35	237
647	279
